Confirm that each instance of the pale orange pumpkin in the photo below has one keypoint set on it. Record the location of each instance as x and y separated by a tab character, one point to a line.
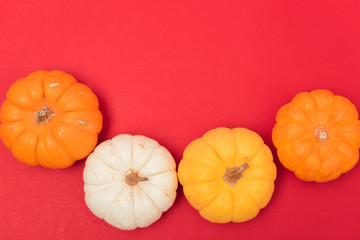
50	119
228	174
317	135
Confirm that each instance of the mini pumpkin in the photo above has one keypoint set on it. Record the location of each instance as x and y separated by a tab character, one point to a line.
50	119
317	135
228	174
130	181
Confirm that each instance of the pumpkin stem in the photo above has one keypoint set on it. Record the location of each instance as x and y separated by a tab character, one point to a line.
44	115
133	179
321	133
232	175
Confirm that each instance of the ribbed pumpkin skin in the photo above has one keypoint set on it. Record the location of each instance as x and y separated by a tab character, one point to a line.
202	172
50	119
129	181
317	135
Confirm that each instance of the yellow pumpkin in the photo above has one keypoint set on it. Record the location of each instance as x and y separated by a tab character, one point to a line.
228	174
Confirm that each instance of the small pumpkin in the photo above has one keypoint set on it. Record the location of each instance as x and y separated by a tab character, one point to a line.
50	119
130	181
317	135
228	174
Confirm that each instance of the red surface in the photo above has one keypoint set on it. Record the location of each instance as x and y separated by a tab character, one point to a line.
172	70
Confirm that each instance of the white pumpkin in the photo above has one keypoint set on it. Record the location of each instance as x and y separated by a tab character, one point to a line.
130	181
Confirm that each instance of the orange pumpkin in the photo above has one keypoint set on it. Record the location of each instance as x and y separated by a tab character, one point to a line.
317	135
50	119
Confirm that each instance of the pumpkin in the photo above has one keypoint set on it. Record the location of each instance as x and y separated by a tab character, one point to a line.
129	181
317	135
228	174
50	119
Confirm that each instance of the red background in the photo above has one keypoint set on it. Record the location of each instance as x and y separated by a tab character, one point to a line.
172	70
